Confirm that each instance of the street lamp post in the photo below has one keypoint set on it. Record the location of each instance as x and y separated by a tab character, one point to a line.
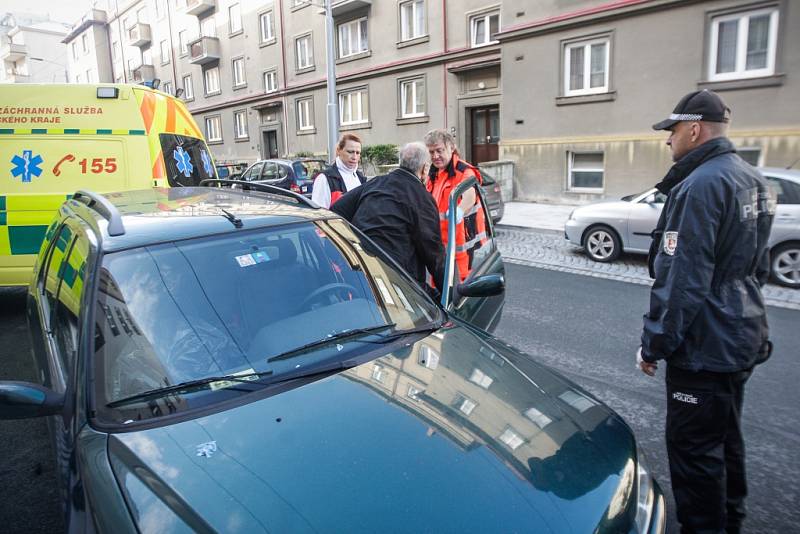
332	107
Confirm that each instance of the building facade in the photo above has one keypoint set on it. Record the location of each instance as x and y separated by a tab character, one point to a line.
30	49
563	91
89	50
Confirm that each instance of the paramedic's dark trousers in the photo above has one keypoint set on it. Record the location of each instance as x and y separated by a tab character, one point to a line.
706	449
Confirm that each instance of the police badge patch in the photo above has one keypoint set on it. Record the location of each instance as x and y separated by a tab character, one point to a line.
670	243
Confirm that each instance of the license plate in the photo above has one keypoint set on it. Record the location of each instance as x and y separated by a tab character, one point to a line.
304	189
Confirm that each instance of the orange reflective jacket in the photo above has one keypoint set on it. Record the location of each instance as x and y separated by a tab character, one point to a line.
471	231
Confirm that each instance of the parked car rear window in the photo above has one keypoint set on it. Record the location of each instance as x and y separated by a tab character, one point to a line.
180	311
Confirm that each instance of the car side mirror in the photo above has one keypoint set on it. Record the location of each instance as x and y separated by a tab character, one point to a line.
487	285
21	400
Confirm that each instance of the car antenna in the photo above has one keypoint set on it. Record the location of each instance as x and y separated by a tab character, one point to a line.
237	222
793	164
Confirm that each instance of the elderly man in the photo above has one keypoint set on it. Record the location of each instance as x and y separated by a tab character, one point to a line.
707	318
449	170
396	212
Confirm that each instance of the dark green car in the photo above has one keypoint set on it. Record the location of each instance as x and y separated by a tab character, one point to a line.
235	361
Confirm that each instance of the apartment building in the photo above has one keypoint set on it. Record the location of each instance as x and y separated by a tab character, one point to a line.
88	49
30	49
563	91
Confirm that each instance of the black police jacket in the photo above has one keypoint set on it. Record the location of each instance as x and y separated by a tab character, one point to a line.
397	212
710	259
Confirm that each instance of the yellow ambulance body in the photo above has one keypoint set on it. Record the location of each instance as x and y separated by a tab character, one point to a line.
58	138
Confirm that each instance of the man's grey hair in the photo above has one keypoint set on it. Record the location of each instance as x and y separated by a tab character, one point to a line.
414	156
440	135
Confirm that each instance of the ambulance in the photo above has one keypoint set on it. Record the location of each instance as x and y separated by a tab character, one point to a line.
58	138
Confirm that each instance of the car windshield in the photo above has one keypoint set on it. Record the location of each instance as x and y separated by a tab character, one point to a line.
226	305
307	169
187	160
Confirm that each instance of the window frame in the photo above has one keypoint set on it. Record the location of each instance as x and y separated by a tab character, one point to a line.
301	67
232	30
163	47
402	94
306	102
183	42
347	94
413	26
211	119
566	63
188	94
486	16
235	73
363	47
270	15
218	89
236	124
570	169
274	73
166	87
740	71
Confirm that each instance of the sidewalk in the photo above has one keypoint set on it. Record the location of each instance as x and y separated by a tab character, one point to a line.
537	216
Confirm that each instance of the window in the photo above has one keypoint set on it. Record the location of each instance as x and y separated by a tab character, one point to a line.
75	51
240	124
412	98
352	37
576	400
511	438
305	118
114	50
211	77
208	28
147	57
412	20
464	404
586	170
164	52
428	357
270	81
483	28
743	45
480	378
88	75
188	90
353	107
586	67
304	49
540	419
238	72
378	373
161	9
85	43
183	42
65	325
234	18
167	87
750	154
785	191
267	25
213	129
413	392
131	64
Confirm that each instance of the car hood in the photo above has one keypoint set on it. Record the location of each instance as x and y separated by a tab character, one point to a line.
457	432
604	208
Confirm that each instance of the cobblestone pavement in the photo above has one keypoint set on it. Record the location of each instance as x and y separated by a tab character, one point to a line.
549	250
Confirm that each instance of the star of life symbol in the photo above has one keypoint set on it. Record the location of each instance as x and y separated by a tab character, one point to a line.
183	161
207	449
206	162
27	165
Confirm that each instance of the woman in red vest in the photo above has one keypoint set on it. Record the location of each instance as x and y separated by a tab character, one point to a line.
447	171
343	175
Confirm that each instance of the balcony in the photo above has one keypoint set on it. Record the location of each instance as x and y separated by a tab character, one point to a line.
139	35
198	7
342	7
143	73
204	50
17	78
13	52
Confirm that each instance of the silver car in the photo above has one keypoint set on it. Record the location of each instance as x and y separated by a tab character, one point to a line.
606	229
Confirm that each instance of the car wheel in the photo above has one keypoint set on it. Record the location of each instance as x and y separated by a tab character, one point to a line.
785	264
602	244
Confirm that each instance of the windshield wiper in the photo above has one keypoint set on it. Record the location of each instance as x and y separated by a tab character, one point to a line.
338	336
188	386
236	221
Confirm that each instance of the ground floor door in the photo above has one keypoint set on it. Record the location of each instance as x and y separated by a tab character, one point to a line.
269	146
485	134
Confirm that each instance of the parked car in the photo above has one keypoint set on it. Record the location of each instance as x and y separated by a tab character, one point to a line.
230	171
605	229
491	190
218	360
293	174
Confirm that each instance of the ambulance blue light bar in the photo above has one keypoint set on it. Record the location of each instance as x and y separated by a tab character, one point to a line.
107	92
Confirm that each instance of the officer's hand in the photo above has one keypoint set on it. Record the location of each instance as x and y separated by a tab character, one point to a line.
646	367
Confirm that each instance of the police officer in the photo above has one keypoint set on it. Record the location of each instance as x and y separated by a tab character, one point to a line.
446	172
707	318
397	213
341	176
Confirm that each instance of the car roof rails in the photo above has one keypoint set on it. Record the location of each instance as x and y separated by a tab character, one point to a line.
104	207
263	188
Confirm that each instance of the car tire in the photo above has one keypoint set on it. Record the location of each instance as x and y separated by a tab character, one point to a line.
602	244
784	264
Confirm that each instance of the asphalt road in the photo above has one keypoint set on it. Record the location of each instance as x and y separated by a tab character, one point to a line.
588	328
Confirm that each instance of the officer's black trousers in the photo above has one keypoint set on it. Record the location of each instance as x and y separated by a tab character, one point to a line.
706	449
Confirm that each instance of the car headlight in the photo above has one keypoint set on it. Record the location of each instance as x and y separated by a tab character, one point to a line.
644	494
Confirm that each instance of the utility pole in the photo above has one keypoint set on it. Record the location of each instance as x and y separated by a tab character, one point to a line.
333	118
